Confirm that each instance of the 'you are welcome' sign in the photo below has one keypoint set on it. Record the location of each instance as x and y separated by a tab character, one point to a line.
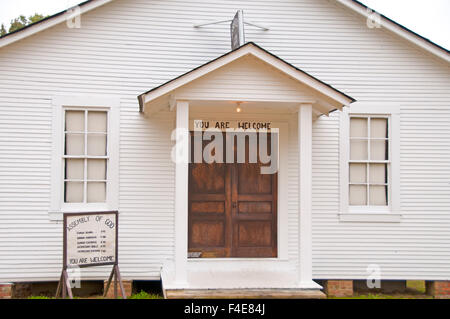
91	239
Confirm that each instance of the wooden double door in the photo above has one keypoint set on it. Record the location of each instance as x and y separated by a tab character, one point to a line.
232	206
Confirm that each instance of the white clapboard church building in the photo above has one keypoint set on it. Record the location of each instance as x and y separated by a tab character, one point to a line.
106	106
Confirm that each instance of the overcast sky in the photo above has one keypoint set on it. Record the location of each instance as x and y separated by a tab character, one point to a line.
429	18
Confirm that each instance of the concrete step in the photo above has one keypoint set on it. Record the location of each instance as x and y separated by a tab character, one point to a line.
244	294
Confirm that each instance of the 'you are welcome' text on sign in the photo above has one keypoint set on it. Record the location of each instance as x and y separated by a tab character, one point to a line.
90	239
202	125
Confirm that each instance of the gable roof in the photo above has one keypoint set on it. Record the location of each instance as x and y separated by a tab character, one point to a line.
354	5
49	22
336	98
398	29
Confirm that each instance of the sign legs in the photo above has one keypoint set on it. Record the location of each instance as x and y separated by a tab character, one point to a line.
117	280
63	288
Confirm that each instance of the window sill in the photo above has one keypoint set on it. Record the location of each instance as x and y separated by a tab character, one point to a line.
371	217
57	215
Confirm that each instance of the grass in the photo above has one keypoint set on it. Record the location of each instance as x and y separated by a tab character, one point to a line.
417	285
141	295
384	296
415	289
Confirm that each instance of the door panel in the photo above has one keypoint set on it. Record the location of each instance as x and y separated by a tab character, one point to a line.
208	178
254	233
255	207
250	181
208	233
208	207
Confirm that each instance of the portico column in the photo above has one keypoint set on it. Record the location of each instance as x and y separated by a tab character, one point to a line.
181	192
305	193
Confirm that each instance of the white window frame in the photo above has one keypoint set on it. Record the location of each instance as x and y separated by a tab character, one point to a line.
90	103
391	212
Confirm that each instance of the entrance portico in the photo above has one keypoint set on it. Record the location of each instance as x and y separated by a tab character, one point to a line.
268	90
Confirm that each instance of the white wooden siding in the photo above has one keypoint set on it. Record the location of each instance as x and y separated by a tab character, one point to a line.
129	46
244	78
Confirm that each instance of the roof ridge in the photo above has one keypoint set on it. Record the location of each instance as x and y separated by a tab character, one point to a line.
52	20
402	26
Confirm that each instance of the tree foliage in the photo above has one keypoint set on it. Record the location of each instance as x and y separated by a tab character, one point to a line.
21	22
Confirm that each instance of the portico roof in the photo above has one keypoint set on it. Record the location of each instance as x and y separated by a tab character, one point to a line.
325	97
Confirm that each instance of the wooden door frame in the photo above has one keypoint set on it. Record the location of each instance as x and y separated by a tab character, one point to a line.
230	218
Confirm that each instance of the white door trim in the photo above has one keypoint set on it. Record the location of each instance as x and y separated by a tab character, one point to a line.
181	191
282	202
305	120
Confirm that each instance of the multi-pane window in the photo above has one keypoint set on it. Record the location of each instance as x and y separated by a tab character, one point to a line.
369	161
85	156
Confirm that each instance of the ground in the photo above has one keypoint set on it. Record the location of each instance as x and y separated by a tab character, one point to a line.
415	290
140	295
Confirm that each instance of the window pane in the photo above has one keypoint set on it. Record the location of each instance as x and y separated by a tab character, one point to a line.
96	192
378	195
378	150
97	121
358	127
358	150
358	195
73	192
97	144
378	128
74	169
74	144
358	173
75	121
96	169
378	173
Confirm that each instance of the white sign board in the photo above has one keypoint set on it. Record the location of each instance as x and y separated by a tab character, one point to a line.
90	239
